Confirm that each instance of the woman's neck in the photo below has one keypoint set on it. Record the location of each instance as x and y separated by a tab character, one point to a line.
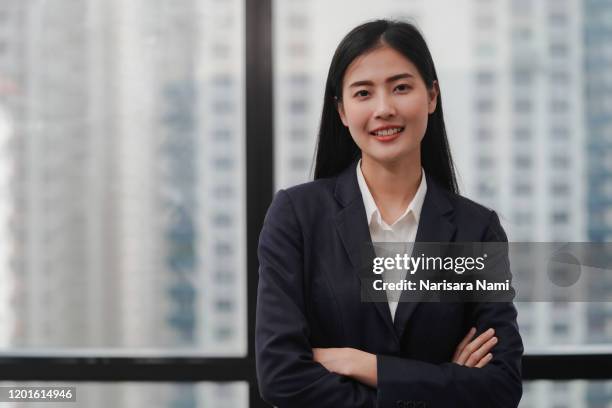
392	185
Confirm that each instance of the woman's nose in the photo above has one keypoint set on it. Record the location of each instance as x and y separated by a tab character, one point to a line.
384	107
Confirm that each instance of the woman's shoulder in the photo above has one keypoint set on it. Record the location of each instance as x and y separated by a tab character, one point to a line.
317	188
474	220
470	207
465	208
308	199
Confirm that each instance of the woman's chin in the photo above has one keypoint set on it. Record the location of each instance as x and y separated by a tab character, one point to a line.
392	157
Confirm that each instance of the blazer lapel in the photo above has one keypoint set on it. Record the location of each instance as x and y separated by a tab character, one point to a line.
435	225
354	232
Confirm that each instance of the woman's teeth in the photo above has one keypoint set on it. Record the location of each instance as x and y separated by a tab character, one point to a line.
387	132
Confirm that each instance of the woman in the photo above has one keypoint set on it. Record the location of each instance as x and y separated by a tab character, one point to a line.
383	173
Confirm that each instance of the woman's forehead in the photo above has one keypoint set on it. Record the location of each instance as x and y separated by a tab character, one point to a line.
378	65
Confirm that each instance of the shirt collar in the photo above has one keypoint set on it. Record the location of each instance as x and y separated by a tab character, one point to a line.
416	205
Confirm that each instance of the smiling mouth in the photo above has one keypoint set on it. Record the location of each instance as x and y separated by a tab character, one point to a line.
387	134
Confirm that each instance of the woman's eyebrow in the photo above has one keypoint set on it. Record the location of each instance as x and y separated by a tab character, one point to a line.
390	79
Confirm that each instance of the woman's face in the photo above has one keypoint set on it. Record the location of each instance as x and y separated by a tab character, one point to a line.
385	104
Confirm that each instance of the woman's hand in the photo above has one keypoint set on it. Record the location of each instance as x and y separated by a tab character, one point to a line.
475	353
349	362
336	360
361	365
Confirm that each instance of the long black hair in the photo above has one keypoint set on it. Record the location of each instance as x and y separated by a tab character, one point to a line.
335	147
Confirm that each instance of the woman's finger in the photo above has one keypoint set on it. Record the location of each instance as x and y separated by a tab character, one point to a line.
464	343
484	361
477	355
474	345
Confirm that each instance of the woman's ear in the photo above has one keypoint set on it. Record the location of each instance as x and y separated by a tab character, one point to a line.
433	97
340	107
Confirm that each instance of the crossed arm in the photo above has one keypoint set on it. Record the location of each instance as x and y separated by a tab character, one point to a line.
361	365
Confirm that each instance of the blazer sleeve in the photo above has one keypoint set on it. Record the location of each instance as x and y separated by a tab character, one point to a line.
286	372
498	384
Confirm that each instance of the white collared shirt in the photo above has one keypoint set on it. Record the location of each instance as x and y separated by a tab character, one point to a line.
404	229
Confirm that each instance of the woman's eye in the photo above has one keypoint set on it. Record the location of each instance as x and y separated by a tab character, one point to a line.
402	87
362	93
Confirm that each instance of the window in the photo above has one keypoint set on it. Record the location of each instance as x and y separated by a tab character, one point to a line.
522	134
560	189
522	161
560	161
522	77
299	79
485	190
558	49
299	163
557	19
297	134
559	77
559	106
522	106
127	174
521	35
560	133
297	21
485	105
485	162
150	394
560	217
298	106
522	189
522	218
484	134
485	21
485	78
560	328
297	49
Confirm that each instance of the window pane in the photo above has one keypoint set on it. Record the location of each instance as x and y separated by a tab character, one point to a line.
150	395
568	394
524	119
122	209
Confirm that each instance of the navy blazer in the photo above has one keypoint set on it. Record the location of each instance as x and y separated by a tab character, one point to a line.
309	296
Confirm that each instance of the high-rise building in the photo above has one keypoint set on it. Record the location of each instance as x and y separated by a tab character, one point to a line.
125	222
528	140
295	119
55	189
597	57
10	65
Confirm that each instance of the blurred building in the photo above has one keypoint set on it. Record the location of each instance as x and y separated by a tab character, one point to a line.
10	21
597	58
55	194
122	149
